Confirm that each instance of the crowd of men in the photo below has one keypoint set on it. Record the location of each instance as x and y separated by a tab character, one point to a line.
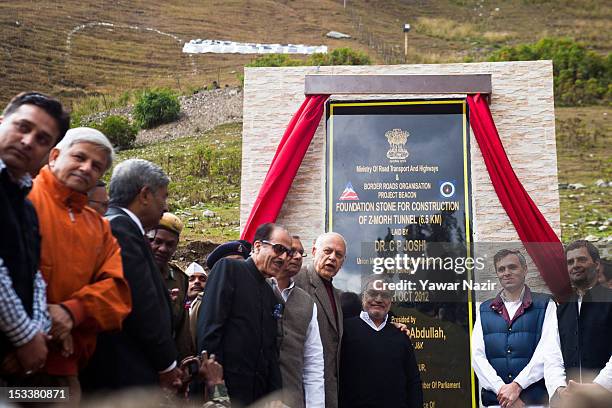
90	300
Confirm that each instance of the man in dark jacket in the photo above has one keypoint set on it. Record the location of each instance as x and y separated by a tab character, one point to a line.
30	126
585	331
239	313
143	352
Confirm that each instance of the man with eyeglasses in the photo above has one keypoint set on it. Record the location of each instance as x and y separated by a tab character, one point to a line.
97	198
239	313
301	351
239	249
377	366
329	252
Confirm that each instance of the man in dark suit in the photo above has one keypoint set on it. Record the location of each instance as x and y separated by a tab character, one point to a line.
239	314
328	253
143	352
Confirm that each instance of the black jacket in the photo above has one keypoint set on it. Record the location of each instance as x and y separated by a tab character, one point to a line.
586	342
20	244
135	355
237	324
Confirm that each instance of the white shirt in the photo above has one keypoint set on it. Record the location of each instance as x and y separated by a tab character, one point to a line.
554	358
314	384
366	318
134	218
534	370
137	221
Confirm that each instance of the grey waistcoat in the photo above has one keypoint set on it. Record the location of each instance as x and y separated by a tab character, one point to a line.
294	326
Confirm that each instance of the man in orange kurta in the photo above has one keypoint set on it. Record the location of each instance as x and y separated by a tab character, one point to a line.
80	259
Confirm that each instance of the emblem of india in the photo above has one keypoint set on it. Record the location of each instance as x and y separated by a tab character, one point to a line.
397	139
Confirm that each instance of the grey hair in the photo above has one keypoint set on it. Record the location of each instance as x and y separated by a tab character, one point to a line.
319	242
130	176
88	135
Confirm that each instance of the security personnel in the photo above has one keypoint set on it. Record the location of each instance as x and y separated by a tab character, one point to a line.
164	242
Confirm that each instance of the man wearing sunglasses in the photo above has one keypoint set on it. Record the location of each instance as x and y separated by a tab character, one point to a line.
239	314
301	351
377	366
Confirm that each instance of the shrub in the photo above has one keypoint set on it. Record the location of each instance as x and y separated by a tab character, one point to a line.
155	107
340	56
275	60
119	131
581	76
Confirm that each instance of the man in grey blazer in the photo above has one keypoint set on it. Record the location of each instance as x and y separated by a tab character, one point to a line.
329	252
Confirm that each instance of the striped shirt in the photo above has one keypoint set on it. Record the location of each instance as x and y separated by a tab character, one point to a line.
15	322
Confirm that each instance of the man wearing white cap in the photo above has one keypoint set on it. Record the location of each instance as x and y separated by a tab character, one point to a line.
80	259
197	281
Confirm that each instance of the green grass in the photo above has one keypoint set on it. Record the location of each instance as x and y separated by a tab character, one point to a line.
192	192
584	138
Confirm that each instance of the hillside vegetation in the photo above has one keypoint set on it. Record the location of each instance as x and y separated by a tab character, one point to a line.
75	48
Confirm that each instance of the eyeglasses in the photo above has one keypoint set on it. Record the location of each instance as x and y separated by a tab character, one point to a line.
373	293
300	253
279	249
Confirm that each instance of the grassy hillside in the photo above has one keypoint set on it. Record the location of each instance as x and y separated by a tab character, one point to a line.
74	48
584	137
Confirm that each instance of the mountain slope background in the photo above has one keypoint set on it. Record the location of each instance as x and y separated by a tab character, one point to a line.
76	48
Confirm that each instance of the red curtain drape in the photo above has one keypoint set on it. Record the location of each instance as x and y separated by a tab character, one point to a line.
538	237
285	164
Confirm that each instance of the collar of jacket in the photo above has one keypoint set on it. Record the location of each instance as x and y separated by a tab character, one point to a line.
63	195
594	293
315	279
253	268
498	305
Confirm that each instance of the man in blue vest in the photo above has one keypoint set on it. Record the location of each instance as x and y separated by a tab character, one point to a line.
509	338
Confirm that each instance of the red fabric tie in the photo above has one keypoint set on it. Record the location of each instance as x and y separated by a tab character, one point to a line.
285	164
538	237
